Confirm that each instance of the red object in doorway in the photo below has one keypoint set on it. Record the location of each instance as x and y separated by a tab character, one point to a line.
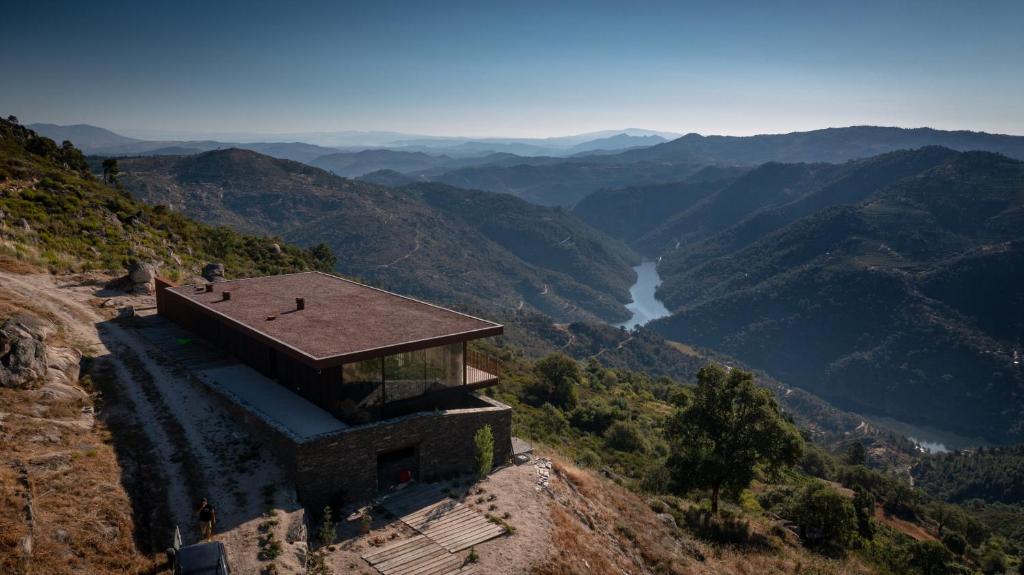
404	476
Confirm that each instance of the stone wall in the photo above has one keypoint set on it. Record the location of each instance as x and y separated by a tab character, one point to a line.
342	468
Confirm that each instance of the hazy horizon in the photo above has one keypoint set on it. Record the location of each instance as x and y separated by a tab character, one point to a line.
523	71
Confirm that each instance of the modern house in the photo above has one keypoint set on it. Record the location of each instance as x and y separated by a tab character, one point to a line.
356	388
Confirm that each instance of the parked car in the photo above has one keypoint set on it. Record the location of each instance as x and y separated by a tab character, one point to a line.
208	558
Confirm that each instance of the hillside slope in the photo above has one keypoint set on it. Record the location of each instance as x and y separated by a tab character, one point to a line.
55	214
444	244
879	306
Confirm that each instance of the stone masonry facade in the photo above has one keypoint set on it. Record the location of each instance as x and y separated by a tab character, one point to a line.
342	467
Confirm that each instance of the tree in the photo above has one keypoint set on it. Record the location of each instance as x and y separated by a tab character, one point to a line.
856	454
955	542
864	507
731	427
484	440
323	258
824	515
931	558
557	379
110	170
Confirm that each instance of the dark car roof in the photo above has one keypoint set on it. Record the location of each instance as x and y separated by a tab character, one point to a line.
200	558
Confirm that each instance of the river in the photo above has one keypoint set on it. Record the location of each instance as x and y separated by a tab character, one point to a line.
645	307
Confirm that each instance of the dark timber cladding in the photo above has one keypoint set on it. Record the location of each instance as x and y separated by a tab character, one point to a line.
340	321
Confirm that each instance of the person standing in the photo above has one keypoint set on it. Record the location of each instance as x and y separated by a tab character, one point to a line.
207	519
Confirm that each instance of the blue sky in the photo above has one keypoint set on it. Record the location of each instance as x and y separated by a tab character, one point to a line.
514	68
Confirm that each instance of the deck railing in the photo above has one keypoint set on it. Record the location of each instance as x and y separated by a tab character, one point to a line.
481	368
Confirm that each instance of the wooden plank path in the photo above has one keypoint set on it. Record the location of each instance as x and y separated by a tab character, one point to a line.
417	555
445	521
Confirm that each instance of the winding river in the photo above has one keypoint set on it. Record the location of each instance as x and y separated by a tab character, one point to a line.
645	307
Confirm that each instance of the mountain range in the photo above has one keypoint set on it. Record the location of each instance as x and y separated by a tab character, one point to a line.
488	251
839	260
889	286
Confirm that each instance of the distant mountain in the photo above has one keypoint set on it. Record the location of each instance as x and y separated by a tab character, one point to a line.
890	286
828	145
83	136
353	164
387	178
483	250
99	141
567	182
617	142
551	182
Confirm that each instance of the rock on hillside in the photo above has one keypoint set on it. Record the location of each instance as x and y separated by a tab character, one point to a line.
28	360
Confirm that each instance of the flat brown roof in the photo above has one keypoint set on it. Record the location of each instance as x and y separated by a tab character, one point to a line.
342	321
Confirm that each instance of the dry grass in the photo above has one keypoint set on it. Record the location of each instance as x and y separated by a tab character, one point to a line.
82	517
63	508
601	528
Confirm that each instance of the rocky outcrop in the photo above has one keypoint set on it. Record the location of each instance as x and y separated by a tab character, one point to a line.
213	273
141	276
23	359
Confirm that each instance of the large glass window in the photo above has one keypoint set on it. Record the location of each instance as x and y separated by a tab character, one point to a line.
404	376
361	391
444	364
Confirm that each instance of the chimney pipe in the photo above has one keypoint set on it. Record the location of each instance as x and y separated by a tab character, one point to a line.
227	295
300	303
209	288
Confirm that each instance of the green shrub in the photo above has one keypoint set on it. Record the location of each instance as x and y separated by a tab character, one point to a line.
826	518
327	532
624	436
484	440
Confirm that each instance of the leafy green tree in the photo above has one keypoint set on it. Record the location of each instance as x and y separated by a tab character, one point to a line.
484	440
558	376
856	454
824	515
731	427
931	558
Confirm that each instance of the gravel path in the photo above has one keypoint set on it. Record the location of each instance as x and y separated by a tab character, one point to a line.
187	427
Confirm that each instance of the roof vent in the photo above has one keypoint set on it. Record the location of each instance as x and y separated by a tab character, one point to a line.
300	303
227	295
209	288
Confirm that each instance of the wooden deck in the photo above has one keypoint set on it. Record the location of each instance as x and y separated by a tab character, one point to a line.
418	555
445	521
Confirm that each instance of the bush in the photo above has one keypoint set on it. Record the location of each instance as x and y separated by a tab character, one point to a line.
955	542
717	528
931	558
327	532
594	416
558	376
825	517
484	440
625	436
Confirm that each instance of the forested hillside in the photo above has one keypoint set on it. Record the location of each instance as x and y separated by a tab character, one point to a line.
447	245
869	300
55	214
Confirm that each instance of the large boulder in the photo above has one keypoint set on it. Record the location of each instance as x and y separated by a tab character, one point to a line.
23	361
142	272
213	273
